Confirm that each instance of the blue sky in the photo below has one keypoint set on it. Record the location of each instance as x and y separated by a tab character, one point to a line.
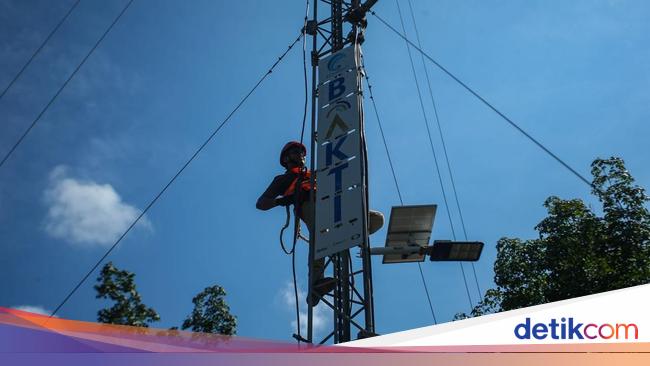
572	73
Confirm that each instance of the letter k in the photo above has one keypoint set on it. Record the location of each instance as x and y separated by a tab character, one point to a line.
575	329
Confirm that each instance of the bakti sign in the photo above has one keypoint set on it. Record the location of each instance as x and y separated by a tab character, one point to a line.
339	193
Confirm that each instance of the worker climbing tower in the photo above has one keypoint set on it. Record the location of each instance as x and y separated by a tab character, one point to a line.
340	161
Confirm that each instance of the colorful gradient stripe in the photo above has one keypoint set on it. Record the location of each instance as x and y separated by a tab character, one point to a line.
32	339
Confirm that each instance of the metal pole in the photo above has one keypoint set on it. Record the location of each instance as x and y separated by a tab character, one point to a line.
365	247
312	195
341	261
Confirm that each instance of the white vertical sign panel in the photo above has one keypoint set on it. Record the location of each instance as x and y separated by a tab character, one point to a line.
339	193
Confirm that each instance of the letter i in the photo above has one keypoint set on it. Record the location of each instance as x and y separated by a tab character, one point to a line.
563	328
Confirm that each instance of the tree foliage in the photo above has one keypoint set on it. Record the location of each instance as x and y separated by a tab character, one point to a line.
128	309
211	314
578	252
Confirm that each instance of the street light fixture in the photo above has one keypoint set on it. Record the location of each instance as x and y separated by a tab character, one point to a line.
409	232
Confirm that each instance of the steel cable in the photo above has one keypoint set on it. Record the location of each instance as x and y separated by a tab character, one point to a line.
392	169
178	173
484	101
433	151
442	140
38	50
47	106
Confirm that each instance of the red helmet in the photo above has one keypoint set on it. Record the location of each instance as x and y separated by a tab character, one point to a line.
289	146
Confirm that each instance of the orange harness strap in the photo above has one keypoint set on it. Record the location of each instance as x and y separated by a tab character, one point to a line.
304	184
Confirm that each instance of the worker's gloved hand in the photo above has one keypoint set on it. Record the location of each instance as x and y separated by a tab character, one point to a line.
284	201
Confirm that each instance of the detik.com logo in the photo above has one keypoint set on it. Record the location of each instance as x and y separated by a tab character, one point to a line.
568	328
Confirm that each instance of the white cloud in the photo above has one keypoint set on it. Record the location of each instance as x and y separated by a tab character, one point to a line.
86	213
320	311
33	309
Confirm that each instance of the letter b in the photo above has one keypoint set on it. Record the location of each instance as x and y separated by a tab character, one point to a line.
336	88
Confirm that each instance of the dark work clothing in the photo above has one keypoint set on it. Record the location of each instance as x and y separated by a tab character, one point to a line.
279	187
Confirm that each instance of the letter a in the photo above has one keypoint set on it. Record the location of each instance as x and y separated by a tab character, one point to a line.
337	122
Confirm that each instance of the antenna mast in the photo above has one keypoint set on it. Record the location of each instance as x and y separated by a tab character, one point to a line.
349	300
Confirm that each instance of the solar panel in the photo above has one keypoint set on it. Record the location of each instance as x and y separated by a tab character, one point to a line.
445	250
409	226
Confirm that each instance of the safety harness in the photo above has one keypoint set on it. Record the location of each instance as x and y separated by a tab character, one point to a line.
302	175
302	179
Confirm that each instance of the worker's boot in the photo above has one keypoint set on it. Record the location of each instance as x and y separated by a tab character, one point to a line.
322	284
321	287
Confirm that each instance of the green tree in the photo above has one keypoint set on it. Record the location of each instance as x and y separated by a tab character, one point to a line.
491	303
211	314
128	309
578	252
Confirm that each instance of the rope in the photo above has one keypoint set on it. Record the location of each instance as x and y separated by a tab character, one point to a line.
304	68
286	225
302	135
296	234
